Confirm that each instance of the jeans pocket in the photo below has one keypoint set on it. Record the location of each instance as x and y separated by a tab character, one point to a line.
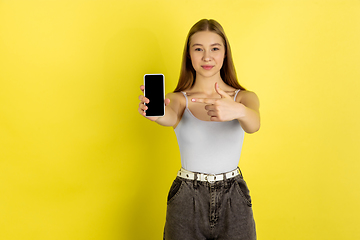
243	190
174	189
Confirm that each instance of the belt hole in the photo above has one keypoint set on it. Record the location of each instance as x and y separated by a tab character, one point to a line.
187	175
214	177
180	173
233	174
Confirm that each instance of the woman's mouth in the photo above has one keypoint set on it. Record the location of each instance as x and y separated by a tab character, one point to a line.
207	67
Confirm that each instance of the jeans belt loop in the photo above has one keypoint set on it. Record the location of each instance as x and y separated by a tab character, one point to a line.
195	180
224	180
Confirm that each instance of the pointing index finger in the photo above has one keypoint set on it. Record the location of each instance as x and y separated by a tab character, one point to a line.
204	100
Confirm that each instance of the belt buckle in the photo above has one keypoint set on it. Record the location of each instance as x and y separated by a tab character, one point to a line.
208	180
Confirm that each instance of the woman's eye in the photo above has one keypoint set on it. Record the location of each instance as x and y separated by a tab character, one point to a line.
215	49
198	49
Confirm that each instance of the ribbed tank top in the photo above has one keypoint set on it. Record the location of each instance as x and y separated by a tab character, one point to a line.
208	146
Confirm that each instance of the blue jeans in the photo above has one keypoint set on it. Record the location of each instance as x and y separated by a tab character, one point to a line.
201	210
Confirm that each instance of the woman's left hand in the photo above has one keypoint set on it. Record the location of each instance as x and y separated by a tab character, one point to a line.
221	109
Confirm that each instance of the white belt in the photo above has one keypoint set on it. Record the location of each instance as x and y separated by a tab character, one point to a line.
183	173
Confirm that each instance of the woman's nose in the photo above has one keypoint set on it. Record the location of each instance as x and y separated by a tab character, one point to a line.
207	56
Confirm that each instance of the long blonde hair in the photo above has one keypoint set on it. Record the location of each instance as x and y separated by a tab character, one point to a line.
187	72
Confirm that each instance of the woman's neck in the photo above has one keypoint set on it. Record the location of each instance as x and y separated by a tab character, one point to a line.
207	84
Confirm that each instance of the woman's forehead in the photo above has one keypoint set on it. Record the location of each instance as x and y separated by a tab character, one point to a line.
206	38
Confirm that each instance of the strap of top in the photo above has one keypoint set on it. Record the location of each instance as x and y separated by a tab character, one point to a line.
185	98
236	93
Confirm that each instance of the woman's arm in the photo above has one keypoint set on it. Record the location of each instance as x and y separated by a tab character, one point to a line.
171	109
249	115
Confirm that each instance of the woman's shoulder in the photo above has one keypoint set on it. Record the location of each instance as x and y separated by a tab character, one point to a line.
177	98
177	103
175	95
245	96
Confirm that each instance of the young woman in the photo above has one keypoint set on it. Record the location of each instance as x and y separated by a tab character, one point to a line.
209	112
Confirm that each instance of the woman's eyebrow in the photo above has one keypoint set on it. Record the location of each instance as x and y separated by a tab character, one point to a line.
198	44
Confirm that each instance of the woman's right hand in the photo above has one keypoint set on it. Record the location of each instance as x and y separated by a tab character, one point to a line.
142	107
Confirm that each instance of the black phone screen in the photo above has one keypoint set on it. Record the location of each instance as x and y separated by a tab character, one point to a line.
154	91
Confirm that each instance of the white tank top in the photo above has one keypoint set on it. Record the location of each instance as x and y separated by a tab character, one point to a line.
207	146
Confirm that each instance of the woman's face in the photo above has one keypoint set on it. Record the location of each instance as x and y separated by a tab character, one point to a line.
207	53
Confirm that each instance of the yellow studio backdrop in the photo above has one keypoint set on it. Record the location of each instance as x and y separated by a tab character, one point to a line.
77	161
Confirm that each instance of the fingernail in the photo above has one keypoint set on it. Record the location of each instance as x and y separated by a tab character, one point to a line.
193	99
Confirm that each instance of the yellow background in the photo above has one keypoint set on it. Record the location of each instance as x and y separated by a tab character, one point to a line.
78	162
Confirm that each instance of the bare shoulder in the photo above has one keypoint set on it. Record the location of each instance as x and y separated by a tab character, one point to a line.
177	100
177	97
249	99
244	94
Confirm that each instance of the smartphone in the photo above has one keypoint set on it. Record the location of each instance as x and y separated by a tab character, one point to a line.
155	92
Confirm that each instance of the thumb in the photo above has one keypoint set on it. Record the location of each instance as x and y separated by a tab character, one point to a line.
167	101
221	92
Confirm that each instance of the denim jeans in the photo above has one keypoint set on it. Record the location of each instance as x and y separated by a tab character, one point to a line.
201	210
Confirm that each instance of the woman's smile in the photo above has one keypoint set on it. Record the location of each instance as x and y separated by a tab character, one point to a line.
207	67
